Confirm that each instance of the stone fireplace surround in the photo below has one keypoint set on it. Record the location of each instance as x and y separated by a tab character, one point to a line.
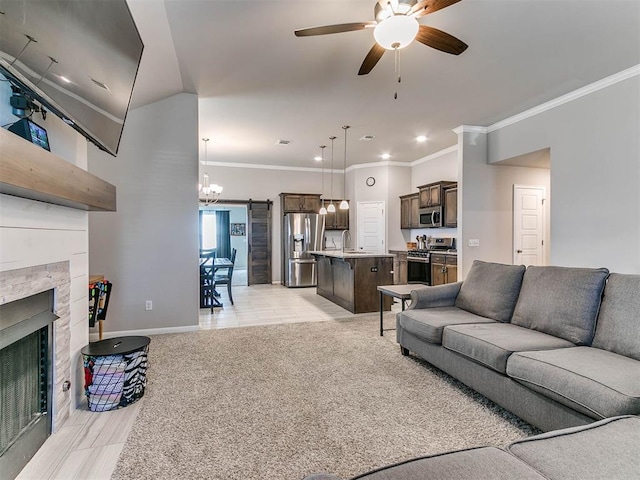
24	282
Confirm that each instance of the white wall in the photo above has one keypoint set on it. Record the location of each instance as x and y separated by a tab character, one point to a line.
35	233
435	168
149	247
239	215
595	174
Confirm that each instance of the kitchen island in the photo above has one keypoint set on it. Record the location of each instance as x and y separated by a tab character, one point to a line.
350	279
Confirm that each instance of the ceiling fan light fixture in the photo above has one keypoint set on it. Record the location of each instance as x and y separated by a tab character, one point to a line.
396	32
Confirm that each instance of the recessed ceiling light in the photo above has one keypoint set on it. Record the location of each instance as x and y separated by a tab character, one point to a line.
421	138
283	142
64	79
317	158
367	138
385	156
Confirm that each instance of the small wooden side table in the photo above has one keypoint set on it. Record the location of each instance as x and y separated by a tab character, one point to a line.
403	292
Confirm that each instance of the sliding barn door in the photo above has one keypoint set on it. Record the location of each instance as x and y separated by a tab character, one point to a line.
259	238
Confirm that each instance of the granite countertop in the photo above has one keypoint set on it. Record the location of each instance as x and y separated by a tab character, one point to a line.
349	254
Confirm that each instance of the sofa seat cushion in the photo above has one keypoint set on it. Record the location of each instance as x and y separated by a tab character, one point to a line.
473	464
618	326
492	344
428	323
592	381
561	301
607	449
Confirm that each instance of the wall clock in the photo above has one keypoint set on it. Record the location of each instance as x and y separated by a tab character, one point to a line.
371	181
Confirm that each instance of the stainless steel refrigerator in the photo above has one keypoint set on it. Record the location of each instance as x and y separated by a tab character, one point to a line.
301	233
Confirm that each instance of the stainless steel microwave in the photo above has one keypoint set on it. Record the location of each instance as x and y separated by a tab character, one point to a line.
430	217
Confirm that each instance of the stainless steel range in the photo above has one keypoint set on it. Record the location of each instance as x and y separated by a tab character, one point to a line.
418	262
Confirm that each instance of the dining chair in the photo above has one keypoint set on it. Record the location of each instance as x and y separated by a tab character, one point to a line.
225	278
207	290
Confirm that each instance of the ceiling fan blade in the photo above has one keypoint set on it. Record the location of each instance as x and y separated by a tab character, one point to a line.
371	59
440	40
425	7
327	29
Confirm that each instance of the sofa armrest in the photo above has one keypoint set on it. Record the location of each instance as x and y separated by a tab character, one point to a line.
438	296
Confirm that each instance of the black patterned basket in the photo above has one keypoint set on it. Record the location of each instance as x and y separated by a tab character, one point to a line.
115	372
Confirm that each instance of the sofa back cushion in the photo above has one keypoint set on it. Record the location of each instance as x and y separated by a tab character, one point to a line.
618	324
491	290
561	301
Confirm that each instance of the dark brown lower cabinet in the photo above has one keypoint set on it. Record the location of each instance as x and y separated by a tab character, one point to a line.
399	267
444	269
352	282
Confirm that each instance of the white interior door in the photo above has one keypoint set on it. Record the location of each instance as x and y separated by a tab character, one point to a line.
528	225
370	225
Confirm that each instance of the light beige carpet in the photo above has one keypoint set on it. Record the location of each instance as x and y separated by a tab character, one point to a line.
283	401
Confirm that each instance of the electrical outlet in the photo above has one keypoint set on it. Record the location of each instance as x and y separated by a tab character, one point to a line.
474	242
148	305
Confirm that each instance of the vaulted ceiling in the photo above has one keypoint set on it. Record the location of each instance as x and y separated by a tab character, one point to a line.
258	83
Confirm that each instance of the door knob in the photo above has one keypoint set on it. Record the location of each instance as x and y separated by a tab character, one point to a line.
518	251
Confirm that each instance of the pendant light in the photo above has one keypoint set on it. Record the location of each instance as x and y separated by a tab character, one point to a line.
344	205
331	208
323	210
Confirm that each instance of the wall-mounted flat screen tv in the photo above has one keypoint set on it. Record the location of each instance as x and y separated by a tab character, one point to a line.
78	58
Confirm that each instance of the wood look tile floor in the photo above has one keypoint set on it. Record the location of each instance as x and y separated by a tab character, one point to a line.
88	445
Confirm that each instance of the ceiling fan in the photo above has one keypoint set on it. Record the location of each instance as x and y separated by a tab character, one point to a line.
396	26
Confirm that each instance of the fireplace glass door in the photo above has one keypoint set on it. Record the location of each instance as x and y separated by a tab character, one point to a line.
25	379
23	386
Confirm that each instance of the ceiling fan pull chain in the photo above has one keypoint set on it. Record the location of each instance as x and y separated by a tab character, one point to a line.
398	77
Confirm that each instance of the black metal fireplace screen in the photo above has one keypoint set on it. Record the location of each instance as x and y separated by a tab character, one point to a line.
25	379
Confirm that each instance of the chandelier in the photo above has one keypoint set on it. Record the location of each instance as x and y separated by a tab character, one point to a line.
209	193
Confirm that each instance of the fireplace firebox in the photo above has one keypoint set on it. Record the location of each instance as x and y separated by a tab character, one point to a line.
26	358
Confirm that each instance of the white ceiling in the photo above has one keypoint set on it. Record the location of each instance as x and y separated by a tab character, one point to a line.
258	83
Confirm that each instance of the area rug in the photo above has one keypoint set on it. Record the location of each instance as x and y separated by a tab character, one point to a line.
283	401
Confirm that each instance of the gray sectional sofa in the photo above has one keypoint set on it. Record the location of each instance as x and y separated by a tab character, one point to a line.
557	346
606	450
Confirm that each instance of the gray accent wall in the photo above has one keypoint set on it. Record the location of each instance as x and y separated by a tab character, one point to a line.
149	247
595	174
485	203
391	182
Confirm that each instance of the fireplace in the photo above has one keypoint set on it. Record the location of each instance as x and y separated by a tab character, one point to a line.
41	331
26	359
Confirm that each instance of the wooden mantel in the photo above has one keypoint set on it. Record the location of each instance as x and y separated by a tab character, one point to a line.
29	171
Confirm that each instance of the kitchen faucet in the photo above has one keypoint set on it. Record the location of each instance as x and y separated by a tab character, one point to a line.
345	234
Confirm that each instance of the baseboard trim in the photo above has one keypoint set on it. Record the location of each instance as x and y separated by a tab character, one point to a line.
145	332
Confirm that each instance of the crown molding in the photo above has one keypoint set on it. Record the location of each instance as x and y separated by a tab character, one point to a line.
270	167
569	97
469	129
433	156
385	163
